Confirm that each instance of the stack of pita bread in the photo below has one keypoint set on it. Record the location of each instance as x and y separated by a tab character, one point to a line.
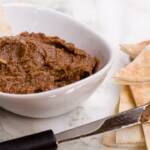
134	80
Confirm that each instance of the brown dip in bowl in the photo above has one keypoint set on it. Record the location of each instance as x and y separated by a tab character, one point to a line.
34	62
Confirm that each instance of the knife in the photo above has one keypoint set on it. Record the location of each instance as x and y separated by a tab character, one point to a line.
47	140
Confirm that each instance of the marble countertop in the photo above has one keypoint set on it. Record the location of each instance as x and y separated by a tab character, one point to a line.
100	104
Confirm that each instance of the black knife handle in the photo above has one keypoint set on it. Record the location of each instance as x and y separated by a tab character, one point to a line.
41	141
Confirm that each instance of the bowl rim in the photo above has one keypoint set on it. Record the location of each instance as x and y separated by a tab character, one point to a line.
80	24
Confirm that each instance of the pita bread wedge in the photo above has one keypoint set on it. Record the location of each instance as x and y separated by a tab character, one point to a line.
146	129
141	94
108	140
5	28
126	99
137	71
133	50
132	134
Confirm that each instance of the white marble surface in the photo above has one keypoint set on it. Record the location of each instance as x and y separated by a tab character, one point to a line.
119	21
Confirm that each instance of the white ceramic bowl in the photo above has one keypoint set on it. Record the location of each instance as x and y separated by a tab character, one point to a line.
59	101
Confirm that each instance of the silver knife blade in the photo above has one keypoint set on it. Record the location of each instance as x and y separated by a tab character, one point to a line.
121	120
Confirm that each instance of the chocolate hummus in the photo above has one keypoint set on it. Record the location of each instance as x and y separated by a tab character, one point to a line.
34	62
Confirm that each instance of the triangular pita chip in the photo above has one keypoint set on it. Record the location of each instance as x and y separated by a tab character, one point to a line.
137	71
132	134
126	99
141	94
146	129
109	140
133	50
5	28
